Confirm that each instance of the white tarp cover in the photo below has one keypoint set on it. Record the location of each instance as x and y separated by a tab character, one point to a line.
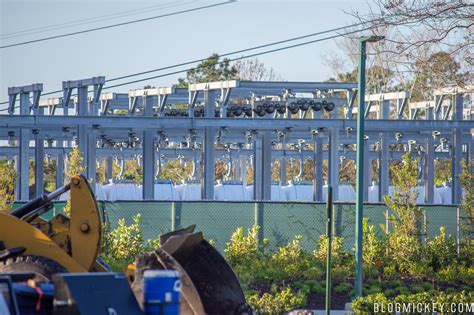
298	192
122	191
189	191
231	192
304	192
445	194
278	194
345	193
165	191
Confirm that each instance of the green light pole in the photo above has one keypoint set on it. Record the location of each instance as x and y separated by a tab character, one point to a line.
360	159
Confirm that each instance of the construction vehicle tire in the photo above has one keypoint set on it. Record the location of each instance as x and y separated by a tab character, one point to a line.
43	268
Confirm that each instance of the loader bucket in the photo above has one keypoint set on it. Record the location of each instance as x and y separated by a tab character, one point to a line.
209	286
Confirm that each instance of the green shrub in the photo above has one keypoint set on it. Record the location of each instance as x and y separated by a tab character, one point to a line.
372	247
7	186
441	251
451	290
417	288
121	245
342	287
427	286
318	288
390	272
365	305
276	302
291	260
244	250
389	292
338	253
374	289
402	290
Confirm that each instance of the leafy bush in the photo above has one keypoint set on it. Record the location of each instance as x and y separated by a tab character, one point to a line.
455	273
291	259
339	255
276	302
7	186
342	287
441	251
76	167
372	247
365	305
244	249
121	245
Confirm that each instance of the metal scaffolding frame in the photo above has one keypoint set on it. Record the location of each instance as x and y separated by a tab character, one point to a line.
264	120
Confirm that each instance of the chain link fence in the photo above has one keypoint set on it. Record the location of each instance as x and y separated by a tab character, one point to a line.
280	222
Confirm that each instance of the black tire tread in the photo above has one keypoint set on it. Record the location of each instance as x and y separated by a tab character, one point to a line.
43	267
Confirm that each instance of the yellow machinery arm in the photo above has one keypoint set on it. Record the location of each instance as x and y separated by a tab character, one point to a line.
72	242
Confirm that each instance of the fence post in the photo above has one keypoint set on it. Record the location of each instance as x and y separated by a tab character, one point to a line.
175	215
425	225
386	222
458	230
338	219
329	249
259	220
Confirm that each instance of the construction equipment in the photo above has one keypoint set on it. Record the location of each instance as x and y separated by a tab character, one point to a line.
64	244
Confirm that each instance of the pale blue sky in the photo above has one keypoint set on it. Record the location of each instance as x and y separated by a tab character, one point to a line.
152	44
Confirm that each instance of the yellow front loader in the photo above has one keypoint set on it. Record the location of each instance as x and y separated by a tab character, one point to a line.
31	244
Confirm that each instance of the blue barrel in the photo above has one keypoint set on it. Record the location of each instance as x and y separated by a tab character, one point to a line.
161	292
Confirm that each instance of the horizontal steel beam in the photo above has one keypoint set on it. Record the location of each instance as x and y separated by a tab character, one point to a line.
159	123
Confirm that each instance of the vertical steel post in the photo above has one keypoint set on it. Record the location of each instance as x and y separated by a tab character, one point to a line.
266	166
24	154
329	250
360	167
367	170
259	208
318	169
257	168
207	181
148	164
148	148
456	146
333	161
429	171
83	130
176	215
39	166
60	170
108	168
384	166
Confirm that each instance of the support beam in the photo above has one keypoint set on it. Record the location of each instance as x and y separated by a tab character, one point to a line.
207	182
283	162
429	171
91	157
148	165
333	161
384	165
59	170
39	166
456	147
318	170
266	166
367	171
82	110
24	154
108	168
257	168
